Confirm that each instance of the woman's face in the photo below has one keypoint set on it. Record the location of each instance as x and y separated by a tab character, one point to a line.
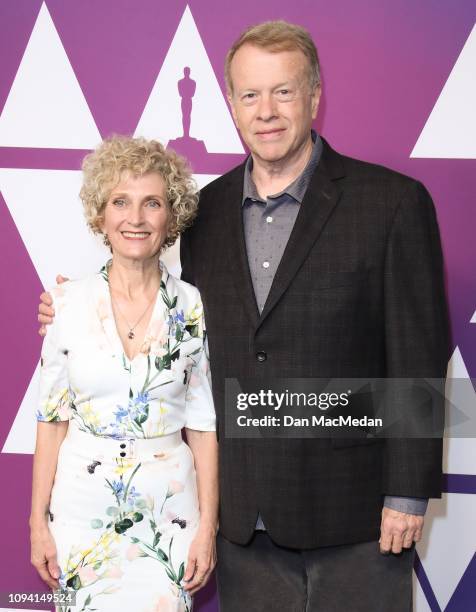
136	216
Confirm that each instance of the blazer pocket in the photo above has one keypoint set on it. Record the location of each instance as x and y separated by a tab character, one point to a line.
339	443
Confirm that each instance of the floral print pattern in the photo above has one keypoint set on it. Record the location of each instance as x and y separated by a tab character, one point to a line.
123	525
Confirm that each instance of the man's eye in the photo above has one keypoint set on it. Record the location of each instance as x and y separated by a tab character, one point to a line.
249	96
285	94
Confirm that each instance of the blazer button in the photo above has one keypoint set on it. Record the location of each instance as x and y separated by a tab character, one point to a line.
261	356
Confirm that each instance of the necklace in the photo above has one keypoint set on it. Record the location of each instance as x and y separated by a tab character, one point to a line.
131	335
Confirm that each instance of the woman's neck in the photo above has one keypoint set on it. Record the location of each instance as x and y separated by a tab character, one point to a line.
133	278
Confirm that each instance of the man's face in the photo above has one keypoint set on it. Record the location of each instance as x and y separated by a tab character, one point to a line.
272	102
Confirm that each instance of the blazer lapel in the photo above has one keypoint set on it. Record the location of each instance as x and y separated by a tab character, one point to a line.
236	245
320	200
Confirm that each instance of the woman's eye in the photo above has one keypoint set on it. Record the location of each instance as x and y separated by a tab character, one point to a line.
119	202
154	203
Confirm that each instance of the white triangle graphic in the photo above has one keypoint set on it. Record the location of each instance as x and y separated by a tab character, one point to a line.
22	436
46	209
456	366
473	318
450	131
459	453
46	107
448	543
211	120
420	603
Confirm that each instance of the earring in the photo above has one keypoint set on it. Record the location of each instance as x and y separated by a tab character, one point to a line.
105	240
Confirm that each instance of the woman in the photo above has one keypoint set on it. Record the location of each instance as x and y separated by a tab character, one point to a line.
123	514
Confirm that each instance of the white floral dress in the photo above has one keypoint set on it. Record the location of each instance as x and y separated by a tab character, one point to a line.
124	506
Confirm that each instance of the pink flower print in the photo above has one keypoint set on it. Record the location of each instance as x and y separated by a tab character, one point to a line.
133	552
158	351
174	487
145	348
113	572
102	309
165	603
157	337
194	381
63	412
87	575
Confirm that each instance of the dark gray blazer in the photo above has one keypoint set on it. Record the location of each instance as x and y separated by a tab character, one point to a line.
358	293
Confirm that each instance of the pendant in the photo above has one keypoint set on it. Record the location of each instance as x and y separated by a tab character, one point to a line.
131	335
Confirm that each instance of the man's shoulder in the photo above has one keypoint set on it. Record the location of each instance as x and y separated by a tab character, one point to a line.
233	179
358	171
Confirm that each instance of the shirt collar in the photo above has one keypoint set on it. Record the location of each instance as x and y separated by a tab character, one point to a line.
297	188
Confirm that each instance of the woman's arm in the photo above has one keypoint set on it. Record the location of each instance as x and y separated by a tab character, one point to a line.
54	411
49	437
202	555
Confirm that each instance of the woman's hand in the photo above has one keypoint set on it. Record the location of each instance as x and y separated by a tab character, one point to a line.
43	555
201	559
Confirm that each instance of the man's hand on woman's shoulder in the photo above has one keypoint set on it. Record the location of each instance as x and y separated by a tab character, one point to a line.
46	311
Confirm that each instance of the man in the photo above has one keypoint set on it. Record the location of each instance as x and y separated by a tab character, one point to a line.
311	264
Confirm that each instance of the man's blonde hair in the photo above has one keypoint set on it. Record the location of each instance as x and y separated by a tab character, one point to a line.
276	36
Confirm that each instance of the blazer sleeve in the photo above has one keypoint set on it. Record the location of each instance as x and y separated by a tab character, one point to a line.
54	396
416	335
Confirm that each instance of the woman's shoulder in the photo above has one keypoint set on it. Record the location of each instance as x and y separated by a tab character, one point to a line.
183	290
74	290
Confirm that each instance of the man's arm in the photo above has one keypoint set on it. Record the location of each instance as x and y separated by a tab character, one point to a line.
417	345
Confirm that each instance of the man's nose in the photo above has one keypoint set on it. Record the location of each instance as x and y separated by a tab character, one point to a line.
267	107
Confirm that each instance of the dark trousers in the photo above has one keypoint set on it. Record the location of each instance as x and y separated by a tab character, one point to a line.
264	577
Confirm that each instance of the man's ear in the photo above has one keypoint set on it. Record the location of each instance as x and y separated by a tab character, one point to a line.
315	99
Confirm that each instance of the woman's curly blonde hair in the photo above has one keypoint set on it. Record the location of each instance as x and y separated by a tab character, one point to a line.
102	170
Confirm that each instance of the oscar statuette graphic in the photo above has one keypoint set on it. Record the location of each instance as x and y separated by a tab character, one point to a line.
187	145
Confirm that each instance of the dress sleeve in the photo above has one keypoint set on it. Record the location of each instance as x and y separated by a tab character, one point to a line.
199	407
54	396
